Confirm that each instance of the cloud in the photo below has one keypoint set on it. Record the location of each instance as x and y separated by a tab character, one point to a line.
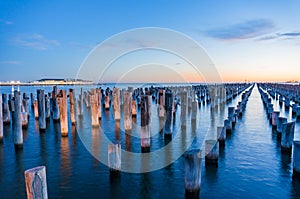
266	38
289	34
240	31
35	41
284	36
6	22
10	62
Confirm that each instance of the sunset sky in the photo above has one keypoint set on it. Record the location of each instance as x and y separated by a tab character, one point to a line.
245	40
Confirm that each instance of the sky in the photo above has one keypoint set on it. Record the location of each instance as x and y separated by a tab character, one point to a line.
243	40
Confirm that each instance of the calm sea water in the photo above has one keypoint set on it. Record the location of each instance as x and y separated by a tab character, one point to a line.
250	166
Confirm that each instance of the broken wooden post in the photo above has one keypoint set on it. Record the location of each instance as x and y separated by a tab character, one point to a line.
114	158
116	106
1	120
63	110
72	98
280	122
127	111
55	107
145	123
221	134
36	183
211	152
287	136
296	159
17	121
169	114
192	177
41	109
6	113
94	107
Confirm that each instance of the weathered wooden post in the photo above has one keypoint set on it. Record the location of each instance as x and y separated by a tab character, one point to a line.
184	108
80	103
87	100
94	107
25	104
36	183
63	110
114	158
55	107
1	120
24	119
169	114
133	108
194	111
231	115
72	105
270	110
212	96
221	134
32	100
287	102
106	102
6	113
228	125
296	159
298	112
192	177
117	107
275	116
47	107
35	109
145	123
287	136
99	96
212	152
280	122
11	107
17	121
161	103
41	109
127	111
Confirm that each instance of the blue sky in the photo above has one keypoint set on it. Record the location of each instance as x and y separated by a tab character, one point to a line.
246	40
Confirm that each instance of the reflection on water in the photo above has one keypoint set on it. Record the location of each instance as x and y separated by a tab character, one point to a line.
251	164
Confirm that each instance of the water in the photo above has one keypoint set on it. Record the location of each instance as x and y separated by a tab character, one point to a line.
250	166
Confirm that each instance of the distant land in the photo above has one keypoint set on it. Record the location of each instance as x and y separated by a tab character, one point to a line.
49	81
70	81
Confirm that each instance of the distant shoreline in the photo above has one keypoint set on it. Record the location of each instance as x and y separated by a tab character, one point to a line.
46	84
102	84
